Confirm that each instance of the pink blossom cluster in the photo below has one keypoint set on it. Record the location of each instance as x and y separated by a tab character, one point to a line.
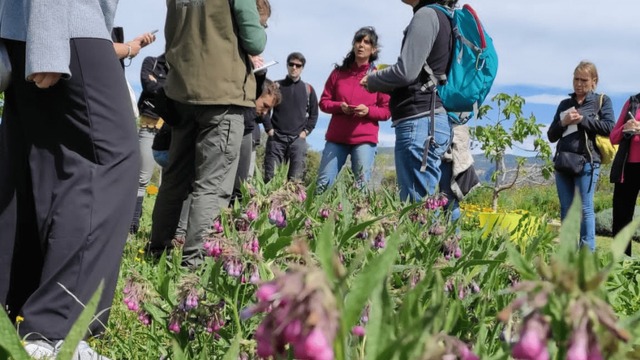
134	295
379	241
451	248
436	202
278	216
532	344
300	313
325	213
252	211
217	226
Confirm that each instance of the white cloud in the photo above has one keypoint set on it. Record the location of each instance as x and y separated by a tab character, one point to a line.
545	99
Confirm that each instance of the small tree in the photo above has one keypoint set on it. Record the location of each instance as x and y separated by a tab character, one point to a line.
495	139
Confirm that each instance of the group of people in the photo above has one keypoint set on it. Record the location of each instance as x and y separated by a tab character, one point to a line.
578	121
70	169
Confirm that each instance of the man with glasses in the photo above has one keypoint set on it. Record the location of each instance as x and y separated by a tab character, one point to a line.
292	121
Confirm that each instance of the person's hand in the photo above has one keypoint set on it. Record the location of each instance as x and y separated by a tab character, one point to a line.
45	80
571	118
257	60
364	82
270	132
303	134
145	39
361	110
346	109
135	48
631	126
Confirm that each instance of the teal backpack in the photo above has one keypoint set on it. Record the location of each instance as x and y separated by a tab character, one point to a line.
472	68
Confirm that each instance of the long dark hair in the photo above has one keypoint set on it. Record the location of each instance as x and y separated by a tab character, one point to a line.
449	3
351	56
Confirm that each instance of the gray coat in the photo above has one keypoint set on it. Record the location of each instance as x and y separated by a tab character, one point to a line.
48	25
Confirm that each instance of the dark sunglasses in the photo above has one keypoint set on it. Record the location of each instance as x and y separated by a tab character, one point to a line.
294	65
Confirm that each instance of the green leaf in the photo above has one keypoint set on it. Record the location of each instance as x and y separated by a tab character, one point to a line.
234	349
79	329
621	240
377	329
324	249
178	354
271	250
9	340
570	230
522	266
366	281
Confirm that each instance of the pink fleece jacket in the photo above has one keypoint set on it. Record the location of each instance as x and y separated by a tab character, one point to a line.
616	134
344	86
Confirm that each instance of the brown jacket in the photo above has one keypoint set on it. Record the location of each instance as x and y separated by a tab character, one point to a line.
208	64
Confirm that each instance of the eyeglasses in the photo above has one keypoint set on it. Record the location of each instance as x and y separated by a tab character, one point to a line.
295	65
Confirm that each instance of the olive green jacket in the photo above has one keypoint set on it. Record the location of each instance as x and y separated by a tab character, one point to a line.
207	48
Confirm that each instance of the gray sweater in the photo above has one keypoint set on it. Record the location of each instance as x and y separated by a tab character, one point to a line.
48	25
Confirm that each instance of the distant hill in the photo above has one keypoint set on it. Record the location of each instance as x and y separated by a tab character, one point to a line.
484	168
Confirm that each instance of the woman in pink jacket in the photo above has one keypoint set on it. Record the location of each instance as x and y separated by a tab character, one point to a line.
625	170
355	112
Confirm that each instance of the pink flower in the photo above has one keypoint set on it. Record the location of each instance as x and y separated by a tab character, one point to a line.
578	344
358	330
533	339
292	331
266	292
313	346
174	327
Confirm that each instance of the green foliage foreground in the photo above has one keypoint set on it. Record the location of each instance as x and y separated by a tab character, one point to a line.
353	275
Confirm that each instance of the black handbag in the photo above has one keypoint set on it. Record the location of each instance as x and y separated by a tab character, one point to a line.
569	163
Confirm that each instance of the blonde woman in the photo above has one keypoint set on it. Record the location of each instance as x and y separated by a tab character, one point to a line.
575	125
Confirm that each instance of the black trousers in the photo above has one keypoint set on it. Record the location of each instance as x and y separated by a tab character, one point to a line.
69	167
280	148
624	199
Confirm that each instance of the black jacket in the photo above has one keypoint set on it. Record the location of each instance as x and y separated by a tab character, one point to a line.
595	122
157	68
298	110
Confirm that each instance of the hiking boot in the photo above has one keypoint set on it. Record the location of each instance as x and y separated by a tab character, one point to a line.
40	349
85	352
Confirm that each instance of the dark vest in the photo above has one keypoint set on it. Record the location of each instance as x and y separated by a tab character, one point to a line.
410	100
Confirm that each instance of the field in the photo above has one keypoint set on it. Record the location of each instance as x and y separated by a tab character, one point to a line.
360	275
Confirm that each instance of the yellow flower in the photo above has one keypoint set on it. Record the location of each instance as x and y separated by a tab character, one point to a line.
141	251
19	319
152	190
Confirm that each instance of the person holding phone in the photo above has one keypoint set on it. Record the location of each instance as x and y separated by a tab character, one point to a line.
355	113
575	125
625	170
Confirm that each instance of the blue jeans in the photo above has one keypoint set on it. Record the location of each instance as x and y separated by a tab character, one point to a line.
586	186
411	136
161	157
453	206
334	156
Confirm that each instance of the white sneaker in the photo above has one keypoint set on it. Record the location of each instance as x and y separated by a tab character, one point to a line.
40	350
85	352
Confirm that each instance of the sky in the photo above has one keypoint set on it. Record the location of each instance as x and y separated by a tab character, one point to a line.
539	44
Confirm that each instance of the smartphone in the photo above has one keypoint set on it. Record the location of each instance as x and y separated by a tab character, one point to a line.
154	31
352	106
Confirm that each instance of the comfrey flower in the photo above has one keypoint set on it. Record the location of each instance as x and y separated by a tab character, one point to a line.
379	241
252	211
278	217
135	292
324	213
532	344
300	311
188	293
436	202
217	226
